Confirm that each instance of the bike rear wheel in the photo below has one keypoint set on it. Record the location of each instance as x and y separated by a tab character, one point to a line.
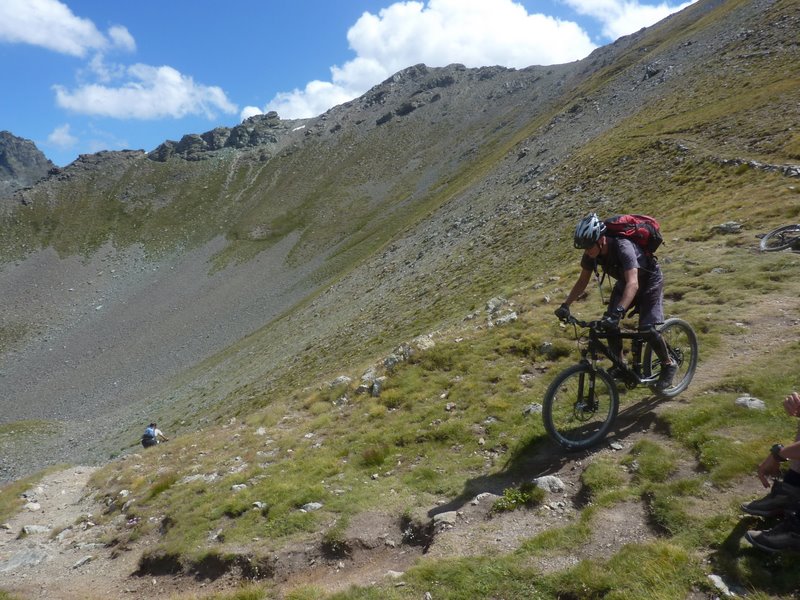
781	238
580	406
682	346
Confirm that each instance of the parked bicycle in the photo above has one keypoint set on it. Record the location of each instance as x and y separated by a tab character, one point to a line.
781	238
581	404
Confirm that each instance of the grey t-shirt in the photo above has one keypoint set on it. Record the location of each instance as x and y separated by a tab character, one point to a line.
623	255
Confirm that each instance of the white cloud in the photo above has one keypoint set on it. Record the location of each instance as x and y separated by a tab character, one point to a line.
440	32
472	32
62	138
316	98
146	92
102	71
149	93
250	111
52	25
122	38
623	17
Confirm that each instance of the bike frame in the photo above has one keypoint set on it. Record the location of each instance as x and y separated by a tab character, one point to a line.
582	402
595	347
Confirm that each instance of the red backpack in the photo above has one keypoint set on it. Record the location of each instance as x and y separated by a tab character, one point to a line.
642	230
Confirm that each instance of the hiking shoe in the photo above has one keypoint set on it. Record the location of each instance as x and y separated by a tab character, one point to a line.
781	498
784	536
665	378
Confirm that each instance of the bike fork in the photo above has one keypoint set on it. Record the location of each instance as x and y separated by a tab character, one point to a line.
585	401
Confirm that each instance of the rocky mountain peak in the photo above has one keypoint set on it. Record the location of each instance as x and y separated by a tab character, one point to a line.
21	163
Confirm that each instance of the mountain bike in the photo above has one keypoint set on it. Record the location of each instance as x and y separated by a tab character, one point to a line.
781	238
582	402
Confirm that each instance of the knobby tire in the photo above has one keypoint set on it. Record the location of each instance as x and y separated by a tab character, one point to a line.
572	417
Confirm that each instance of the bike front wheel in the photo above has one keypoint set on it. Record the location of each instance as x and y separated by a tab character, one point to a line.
781	238
682	346
580	406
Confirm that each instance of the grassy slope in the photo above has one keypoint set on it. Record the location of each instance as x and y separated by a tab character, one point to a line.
481	374
665	160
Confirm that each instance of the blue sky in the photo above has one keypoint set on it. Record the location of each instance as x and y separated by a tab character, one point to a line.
80	76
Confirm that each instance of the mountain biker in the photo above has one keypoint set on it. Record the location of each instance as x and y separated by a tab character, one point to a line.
639	283
152	436
784	497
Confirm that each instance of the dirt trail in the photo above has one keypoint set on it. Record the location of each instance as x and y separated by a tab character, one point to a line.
52	548
66	556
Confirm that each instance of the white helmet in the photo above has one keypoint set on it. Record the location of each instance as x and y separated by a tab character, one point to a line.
588	231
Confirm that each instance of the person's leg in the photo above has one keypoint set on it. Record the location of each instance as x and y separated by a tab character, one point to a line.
783	497
651	335
784	536
792	477
651	313
614	342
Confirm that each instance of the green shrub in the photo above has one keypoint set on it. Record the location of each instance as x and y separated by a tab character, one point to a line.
527	495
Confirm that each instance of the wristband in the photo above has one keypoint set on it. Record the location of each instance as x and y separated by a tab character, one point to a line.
775	451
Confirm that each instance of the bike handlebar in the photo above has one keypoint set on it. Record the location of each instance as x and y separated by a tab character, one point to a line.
596	325
570	320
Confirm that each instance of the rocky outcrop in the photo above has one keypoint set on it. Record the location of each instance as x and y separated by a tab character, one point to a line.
21	163
261	130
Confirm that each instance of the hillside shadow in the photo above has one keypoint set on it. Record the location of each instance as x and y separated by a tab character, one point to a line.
541	456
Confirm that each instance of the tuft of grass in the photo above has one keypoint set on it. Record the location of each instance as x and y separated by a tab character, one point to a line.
526	495
246	592
307	592
603	475
334	542
9	431
161	484
658	570
11	333
668	510
374	455
562	538
654	462
474	577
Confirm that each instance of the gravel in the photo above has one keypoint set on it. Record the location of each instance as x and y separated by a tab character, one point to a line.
105	335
